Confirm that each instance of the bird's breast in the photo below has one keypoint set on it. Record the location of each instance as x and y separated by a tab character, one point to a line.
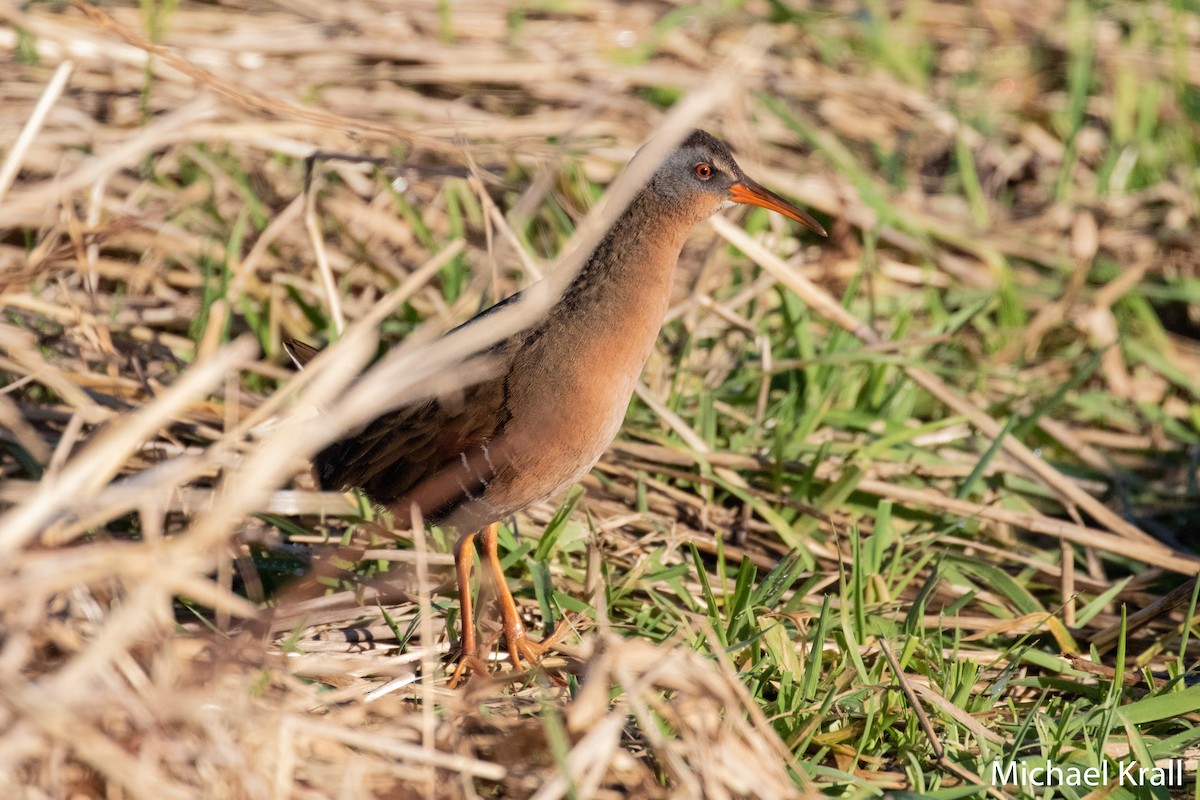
570	383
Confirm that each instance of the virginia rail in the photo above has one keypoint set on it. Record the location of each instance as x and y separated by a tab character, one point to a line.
561	390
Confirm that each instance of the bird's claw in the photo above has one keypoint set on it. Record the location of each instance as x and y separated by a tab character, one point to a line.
467	662
519	646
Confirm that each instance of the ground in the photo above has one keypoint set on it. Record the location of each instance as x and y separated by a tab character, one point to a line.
889	512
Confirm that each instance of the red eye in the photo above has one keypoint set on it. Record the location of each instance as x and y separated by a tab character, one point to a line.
704	171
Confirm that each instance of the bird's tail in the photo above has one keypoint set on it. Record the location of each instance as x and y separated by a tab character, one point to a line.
299	352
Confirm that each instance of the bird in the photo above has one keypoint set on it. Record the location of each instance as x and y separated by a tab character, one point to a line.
560	391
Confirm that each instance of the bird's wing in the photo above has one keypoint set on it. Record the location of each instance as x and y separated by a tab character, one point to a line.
434	453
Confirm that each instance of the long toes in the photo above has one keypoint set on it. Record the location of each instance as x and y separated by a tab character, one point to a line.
533	651
467	665
560	630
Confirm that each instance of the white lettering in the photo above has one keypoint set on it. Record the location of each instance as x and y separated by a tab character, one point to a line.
1006	777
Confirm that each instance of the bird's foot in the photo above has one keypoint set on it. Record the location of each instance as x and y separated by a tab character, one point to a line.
519	646
467	663
519	643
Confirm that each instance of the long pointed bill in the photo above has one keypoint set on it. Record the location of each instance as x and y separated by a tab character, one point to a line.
752	194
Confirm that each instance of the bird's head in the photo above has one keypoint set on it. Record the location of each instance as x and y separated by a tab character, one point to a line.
701	177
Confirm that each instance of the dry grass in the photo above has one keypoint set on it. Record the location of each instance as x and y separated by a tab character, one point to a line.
986	455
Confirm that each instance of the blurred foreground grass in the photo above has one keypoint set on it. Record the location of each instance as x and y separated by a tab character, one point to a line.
794	542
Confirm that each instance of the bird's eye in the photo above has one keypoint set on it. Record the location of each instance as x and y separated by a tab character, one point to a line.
704	171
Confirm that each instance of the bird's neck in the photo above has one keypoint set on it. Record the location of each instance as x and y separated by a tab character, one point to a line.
632	267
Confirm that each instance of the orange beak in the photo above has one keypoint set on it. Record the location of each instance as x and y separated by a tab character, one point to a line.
752	194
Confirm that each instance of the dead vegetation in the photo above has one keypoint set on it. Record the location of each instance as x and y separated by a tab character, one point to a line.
986	456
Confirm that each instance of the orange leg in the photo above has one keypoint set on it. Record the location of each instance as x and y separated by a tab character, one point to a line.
519	643
464	558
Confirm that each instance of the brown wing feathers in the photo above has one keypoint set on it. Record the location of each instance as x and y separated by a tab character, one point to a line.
299	352
434	453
